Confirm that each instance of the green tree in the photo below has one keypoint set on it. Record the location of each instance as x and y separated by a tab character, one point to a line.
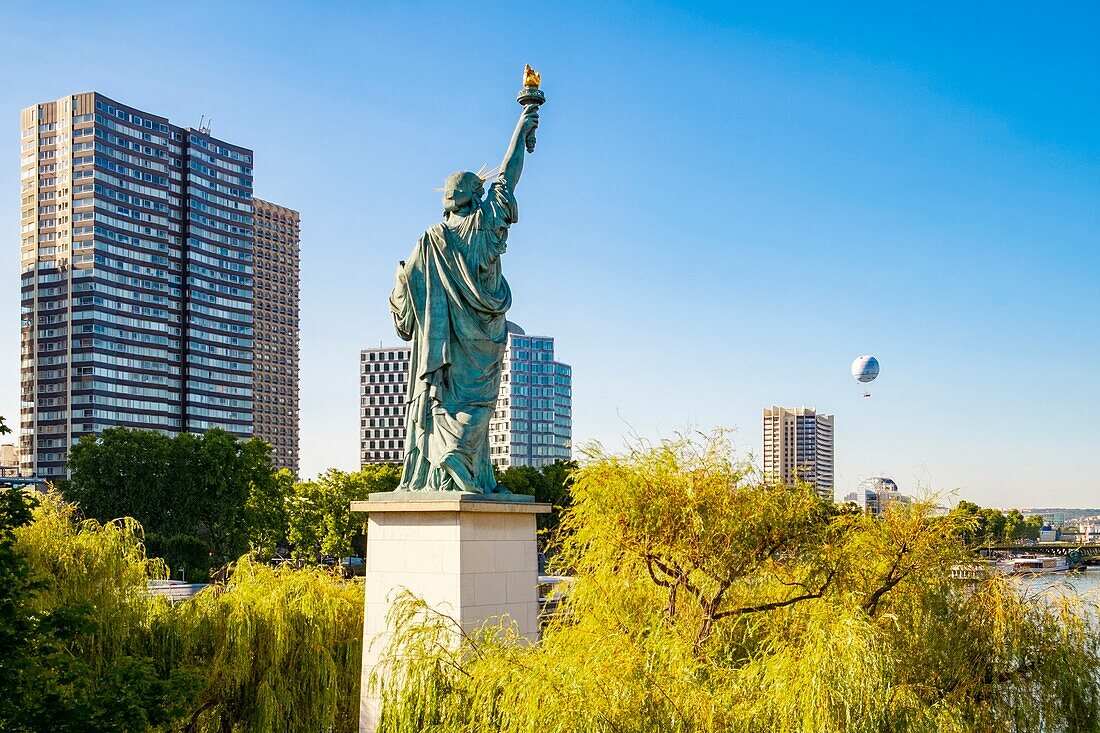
72	661
128	473
980	525
704	599
319	518
1014	522
278	650
86	647
18	629
1031	528
549	485
559	479
526	480
266	512
202	499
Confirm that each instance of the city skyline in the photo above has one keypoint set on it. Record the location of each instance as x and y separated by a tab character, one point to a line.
931	179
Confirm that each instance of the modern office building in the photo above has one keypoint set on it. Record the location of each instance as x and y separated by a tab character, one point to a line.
276	275
875	494
383	387
798	443
1050	518
532	423
136	277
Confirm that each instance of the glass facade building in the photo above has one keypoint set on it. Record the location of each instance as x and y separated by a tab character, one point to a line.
533	422
136	277
531	426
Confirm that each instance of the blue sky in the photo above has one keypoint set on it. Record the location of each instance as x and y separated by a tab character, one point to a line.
728	203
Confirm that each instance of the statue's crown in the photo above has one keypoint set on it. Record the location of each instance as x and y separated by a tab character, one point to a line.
531	78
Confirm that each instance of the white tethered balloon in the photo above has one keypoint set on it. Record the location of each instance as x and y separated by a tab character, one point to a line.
865	369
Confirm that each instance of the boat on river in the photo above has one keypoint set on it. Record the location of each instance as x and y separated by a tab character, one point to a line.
1033	565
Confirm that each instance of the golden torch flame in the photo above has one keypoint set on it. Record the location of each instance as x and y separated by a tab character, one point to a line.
531	78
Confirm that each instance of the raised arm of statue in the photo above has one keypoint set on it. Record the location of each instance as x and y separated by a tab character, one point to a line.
513	159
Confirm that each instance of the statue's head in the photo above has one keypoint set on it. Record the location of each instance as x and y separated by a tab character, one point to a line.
462	189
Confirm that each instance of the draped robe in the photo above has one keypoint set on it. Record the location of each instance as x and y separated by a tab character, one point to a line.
450	300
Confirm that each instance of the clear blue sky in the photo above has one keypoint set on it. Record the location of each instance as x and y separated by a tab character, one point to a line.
728	203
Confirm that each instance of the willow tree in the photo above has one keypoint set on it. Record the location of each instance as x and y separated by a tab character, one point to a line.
88	620
705	598
85	647
279	651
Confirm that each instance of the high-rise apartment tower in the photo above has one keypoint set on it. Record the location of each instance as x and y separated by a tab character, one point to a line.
798	442
137	267
531	426
533	422
275	411
383	389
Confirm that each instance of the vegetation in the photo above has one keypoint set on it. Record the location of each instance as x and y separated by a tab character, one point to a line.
205	500
85	647
200	498
319	518
278	651
983	526
550	484
74	651
705	599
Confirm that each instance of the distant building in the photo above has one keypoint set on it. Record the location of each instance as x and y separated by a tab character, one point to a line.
531	426
1088	529
533	422
148	298
276	269
9	460
875	494
798	443
1054	519
383	387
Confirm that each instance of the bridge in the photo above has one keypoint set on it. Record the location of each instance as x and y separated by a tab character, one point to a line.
22	483
1062	549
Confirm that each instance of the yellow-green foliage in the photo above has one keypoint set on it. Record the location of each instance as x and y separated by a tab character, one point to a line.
280	650
705	599
268	651
101	567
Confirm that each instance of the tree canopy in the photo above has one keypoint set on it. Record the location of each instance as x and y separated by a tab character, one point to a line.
72	609
319	518
86	648
707	599
984	526
203	500
550	484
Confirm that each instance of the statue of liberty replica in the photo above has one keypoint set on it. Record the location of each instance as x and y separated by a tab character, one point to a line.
450	299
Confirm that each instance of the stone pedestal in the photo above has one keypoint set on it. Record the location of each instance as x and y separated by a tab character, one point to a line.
471	557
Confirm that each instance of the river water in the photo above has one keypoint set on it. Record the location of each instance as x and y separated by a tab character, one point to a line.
1087	581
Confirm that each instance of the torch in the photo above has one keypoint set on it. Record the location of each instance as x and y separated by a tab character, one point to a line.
531	94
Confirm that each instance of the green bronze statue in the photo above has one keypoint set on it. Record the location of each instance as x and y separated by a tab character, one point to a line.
450	299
